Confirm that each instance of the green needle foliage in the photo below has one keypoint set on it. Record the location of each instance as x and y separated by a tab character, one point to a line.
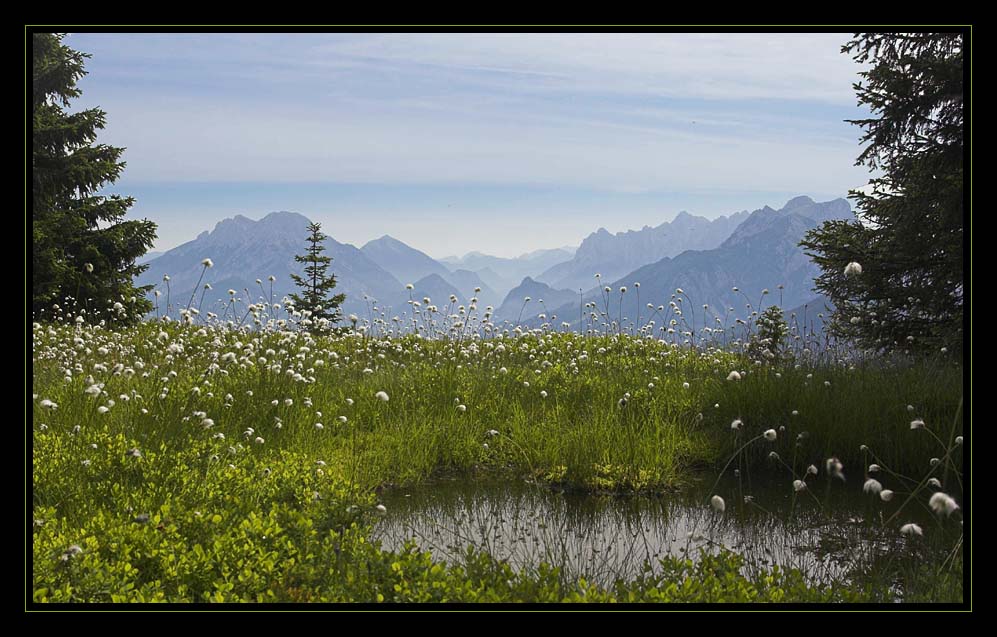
82	248
317	285
909	238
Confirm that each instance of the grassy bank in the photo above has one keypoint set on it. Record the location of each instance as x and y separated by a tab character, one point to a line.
198	463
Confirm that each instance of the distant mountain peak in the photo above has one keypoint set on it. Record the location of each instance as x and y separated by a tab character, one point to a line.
401	259
614	255
798	202
280	215
512	308
432	278
244	249
240	228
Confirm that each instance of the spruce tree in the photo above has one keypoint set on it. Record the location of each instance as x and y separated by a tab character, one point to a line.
895	276
81	246
316	285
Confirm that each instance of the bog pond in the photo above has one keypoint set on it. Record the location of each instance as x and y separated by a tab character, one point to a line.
832	533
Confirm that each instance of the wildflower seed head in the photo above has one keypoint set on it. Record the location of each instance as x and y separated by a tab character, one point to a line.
942	503
872	486
718	503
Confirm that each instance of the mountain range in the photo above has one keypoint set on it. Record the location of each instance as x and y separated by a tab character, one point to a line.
502	274
244	250
762	253
707	259
613	255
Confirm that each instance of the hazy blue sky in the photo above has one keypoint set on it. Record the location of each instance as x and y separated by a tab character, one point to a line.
502	143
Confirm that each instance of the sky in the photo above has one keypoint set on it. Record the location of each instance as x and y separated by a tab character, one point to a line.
501	143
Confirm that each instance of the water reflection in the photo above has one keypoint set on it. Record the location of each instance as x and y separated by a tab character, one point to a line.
603	538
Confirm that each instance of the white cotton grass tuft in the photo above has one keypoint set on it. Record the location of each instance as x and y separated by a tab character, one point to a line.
917	424
770	435
886	495
911	529
943	503
835	468
718	503
853	269
799	485
872	486
734	376
736	425
382	396
207	263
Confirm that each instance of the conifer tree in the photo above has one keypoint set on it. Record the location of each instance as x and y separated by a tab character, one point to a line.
82	247
895	276
316	285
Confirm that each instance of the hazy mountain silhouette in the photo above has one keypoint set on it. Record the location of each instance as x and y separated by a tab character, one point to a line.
244	250
613	255
762	253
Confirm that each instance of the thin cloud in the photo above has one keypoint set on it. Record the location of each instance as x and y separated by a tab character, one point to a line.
616	113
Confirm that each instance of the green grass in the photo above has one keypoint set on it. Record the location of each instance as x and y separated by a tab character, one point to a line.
256	503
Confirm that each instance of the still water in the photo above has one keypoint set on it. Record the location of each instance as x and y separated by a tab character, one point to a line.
830	533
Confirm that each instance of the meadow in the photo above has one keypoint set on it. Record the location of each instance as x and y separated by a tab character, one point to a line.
201	460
